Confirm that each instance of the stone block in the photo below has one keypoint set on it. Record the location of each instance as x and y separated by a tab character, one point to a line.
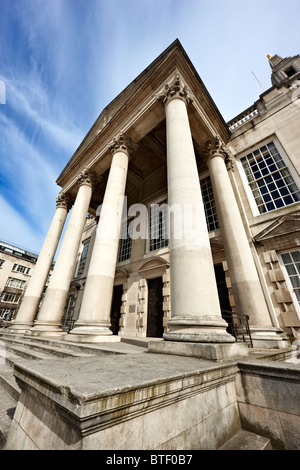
212	351
95	404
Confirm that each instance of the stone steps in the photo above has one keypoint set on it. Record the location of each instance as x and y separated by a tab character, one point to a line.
35	350
70	348
246	440
7	410
15	347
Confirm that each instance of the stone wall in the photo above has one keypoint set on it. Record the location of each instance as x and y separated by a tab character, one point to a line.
268	398
163	403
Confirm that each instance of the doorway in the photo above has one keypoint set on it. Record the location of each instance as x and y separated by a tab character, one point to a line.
155	327
116	309
223	295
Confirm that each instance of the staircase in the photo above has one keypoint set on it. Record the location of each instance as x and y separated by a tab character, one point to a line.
246	440
15	347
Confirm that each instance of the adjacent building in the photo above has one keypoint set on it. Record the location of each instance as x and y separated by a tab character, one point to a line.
16	267
179	219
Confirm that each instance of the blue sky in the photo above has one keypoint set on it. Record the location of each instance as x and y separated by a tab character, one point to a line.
63	61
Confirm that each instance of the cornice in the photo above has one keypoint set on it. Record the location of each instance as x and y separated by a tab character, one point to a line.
126	109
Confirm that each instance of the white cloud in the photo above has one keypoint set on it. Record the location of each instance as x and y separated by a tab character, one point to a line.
29	176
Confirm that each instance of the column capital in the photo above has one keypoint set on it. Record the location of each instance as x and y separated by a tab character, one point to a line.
122	143
217	148
175	90
86	177
63	201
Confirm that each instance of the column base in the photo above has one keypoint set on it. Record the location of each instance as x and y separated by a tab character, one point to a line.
266	337
206	329
211	351
20	328
46	329
91	333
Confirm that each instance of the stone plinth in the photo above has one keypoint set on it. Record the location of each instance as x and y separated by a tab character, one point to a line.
124	402
211	351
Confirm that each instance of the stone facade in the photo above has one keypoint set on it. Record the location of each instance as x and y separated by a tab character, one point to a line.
163	141
17	266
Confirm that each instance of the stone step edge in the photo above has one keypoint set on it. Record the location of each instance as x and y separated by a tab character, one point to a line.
50	350
246	440
59	343
8	382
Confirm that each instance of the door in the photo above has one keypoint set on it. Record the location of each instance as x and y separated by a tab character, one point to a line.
223	295
155	327
116	309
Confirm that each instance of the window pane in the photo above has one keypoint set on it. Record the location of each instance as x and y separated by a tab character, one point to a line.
158	226
286	257
292	264
270	179
209	204
295	280
296	256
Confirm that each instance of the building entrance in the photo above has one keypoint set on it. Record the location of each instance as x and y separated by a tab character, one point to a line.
155	327
223	295
116	309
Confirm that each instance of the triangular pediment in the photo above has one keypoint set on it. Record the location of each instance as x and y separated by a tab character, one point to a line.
281	227
139	113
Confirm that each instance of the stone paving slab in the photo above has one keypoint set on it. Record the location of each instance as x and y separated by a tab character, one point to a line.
95	375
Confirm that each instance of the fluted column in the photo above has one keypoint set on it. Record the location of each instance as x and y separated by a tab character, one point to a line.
93	324
246	287
195	315
49	318
30	303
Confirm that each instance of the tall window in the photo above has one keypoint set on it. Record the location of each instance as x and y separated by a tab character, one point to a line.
83	257
20	268
10	297
17	283
7	313
125	241
291	262
209	204
158	226
269	179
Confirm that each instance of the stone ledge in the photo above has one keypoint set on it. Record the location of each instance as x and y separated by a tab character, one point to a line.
91	394
211	351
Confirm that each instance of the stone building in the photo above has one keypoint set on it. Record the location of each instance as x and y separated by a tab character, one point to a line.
208	213
16	267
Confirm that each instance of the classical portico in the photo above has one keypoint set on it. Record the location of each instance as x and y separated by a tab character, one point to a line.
153	140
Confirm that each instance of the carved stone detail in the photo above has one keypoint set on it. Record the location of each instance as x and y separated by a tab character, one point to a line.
63	201
122	143
217	148
87	177
176	90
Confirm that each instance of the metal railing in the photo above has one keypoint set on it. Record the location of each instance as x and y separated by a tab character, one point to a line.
68	325
238	326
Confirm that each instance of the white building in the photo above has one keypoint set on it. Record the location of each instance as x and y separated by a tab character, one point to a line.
16	267
163	141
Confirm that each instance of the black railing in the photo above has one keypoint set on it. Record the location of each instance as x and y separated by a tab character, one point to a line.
68	325
238	326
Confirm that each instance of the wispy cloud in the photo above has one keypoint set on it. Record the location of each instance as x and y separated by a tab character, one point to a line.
63	61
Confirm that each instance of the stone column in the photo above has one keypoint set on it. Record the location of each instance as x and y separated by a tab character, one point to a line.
93	324
196	326
36	285
49	318
246	287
